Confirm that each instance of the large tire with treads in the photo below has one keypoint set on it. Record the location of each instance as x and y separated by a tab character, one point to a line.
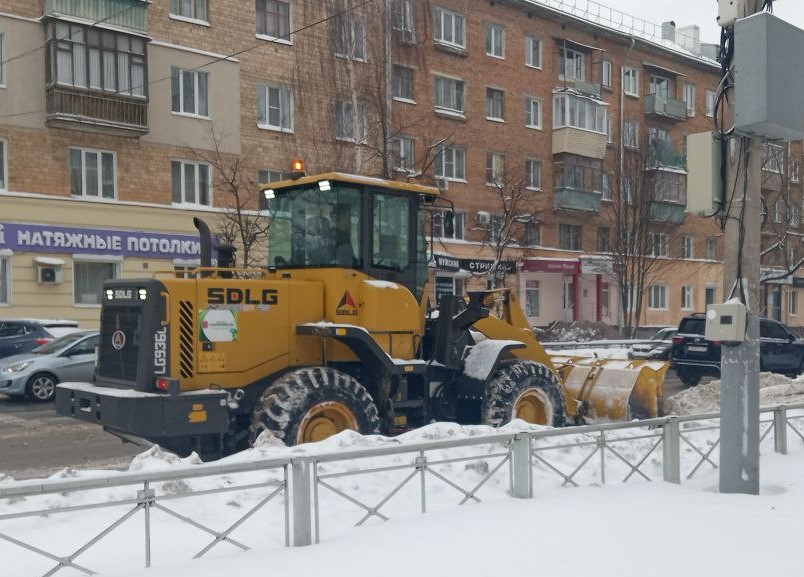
525	390
311	404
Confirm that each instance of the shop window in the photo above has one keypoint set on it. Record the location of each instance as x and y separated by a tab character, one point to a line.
447	285
532	296
5	279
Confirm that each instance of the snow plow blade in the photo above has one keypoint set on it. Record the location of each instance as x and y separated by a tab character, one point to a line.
611	389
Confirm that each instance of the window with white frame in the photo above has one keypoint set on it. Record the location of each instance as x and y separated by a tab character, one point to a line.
451	163
687	301
350	125
571	64
659	85
495	41
657	243
687	246
532	298
3	169
533	174
92	173
605	73
711	97
458	225
2	59
533	112
88	279
533	52
270	175
772	157
449	95
349	37
191	182
609	129
403	149
794	171
605	298
689	99
275	107
190	9
631	81
402	15
495	104
777	211
569	237
605	187
495	168
631	133
657	296
794	215
190	92
403	82
5	278
450	27
273	19
533	234
792	303
571	110
711	250
629	189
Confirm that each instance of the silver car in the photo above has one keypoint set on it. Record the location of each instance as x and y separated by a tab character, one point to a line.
658	347
35	374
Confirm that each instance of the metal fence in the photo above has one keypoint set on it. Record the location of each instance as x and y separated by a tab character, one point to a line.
149	517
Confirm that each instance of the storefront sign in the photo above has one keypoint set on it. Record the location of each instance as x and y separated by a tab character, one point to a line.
798	282
770	276
483	266
551	265
445	262
74	240
596	266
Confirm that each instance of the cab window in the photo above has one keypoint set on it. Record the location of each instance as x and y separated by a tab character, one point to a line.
391	235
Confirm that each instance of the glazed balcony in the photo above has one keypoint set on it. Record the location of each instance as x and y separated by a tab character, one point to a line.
577	187
126	14
74	108
670	212
663	154
668	108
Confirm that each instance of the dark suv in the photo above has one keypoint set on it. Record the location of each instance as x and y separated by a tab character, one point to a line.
24	335
693	356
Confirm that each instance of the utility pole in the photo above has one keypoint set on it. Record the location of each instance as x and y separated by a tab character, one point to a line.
739	389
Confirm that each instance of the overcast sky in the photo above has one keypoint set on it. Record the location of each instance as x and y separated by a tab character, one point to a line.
700	12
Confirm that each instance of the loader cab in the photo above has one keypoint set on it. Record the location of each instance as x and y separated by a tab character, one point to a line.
337	220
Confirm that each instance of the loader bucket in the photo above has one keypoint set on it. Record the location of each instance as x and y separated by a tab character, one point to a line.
611	389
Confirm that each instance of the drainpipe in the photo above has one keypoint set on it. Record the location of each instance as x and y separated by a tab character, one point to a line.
388	91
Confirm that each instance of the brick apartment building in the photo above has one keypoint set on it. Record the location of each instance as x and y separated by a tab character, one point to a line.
122	119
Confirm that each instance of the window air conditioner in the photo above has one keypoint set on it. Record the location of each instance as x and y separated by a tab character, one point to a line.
483	217
48	274
442	183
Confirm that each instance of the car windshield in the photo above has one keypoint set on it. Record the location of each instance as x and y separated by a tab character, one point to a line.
664	334
58	344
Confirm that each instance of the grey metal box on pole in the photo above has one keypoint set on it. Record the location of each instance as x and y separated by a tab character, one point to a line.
769	85
704	188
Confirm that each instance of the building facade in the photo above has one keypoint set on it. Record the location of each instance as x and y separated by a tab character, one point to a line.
559	140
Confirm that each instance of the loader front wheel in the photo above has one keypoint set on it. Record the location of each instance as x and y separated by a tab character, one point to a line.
311	404
524	390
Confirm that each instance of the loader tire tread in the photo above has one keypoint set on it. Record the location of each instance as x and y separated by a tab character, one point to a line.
514	378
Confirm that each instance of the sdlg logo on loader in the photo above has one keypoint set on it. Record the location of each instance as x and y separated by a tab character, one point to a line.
347	307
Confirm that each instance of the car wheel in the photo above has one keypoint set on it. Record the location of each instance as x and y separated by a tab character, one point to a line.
689	377
41	387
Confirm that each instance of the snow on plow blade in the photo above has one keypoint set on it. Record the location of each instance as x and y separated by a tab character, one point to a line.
611	389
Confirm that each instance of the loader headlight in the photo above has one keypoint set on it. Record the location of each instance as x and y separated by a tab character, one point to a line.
142	293
16	367
109	295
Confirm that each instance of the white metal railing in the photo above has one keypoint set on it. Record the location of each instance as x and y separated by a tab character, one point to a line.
307	496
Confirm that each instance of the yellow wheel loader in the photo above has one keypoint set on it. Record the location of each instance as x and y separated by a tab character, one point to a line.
335	333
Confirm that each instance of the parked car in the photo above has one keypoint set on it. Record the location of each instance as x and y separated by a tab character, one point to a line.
36	374
658	347
24	335
693	356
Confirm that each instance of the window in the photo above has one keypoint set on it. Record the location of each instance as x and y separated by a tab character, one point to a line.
275	107
403	149
794	215
631	81
449	95
687	302
532	294
687	246
689	99
495	103
96	59
570	110
191	9
273	19
402	15
570	64
794	170
495	169
495	229
495	41
270	175
711	250
605	73
451	163
190	92
605	292
777	211
569	237
792	303
772	157
657	296
629	189
711	96
391	236
450	28
447	286
403	82
609	129
660	86
191	182
458	225
88	279
711	293
2	59
631	133
348	125
603	239
533	52
533	112
533	234
533	174
657	243
3	169
5	279
92	173
605	187
349	37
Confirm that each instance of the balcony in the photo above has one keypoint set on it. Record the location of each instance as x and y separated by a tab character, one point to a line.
127	14
72	108
587	88
577	187
663	154
667	108
580	142
666	211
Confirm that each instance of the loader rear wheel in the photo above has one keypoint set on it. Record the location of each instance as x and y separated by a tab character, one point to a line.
524	390
311	404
